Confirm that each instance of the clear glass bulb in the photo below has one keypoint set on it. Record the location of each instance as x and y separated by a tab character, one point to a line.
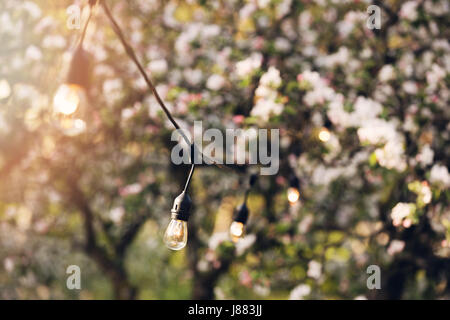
67	98
175	237
236	230
293	195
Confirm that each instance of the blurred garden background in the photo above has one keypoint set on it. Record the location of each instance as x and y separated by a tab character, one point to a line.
363	118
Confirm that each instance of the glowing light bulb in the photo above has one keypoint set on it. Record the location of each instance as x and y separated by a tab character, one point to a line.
175	237
236	230
67	99
324	135
293	195
66	104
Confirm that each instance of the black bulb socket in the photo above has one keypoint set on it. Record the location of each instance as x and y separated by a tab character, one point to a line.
294	182
253	179
181	207
79	72
241	214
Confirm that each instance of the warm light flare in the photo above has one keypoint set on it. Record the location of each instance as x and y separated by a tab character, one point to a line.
67	99
236	230
293	195
324	135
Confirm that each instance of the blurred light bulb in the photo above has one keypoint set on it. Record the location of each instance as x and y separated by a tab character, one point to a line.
175	237
67	98
324	134
236	230
66	104
293	195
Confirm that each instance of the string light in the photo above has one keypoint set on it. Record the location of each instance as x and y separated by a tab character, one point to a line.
176	235
324	133
293	192
237	226
66	104
241	215
293	195
72	93
67	98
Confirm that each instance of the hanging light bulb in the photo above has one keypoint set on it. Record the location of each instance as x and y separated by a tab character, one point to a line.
237	226
176	234
324	133
72	94
293	192
67	98
175	237
236	230
293	195
241	215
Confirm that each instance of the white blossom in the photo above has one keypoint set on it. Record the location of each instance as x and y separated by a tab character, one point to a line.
365	109
396	246
391	156
299	292
426	155
271	78
193	76
117	214
243	244
408	10
401	211
5	89
158	66
410	87
264	108
215	82
320	92
55	41
267	103
433	76
216	239
376	131
314	269
439	175
248	66
386	73
32	8
263	3
282	44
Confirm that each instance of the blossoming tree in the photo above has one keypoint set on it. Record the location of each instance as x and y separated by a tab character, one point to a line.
363	118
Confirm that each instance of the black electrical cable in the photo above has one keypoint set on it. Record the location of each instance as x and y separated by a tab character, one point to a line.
83	33
188	181
132	55
129	50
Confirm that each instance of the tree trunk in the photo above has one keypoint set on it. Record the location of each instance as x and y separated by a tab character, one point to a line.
202	288
123	290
